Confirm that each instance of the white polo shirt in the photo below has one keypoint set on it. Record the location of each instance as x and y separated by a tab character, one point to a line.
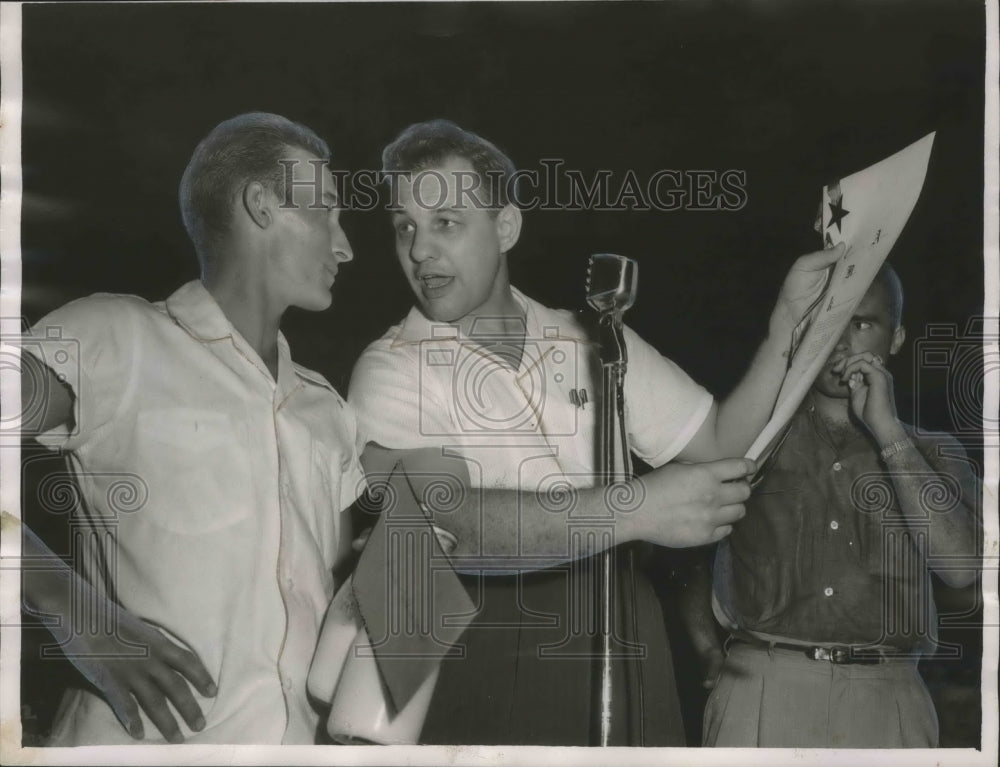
211	502
422	384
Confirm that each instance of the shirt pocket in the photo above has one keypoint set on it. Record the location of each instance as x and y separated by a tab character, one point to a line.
773	520
879	525
197	466
778	481
323	498
335	482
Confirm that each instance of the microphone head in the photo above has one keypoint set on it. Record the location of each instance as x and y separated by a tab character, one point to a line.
612	282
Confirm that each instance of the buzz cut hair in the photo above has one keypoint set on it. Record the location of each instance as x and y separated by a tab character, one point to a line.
425	145
237	152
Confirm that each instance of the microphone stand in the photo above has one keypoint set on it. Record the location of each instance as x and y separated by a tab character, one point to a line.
615	460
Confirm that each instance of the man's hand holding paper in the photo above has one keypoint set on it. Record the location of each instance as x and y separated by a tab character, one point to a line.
804	285
865	213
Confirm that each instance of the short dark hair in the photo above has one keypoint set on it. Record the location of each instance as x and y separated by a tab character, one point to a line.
890	282
424	145
236	152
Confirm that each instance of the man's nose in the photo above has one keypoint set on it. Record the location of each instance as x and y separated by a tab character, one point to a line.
341	246
421	247
844	342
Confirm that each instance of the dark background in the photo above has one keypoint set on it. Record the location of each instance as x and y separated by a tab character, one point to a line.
796	95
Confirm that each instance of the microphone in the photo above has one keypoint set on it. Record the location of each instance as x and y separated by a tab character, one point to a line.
612	282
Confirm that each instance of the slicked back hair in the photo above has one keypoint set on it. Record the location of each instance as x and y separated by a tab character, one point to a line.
238	151
425	145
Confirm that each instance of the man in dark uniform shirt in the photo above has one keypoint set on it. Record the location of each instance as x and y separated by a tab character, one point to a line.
825	585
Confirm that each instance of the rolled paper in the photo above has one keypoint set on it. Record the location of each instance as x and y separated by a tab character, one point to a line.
363	710
412	603
339	632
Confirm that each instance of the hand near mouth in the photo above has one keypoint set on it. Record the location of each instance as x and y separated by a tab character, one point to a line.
871	396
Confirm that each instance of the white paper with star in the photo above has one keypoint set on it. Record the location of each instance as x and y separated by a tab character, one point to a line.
867	211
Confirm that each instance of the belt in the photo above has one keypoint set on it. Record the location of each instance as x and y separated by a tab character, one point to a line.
841	655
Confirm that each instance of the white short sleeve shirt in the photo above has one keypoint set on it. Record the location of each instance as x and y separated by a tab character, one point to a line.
211	499
534	428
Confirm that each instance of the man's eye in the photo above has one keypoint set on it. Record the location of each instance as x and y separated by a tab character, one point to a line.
404	228
863	325
447	223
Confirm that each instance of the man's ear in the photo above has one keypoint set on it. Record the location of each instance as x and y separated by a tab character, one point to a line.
257	204
898	336
508	225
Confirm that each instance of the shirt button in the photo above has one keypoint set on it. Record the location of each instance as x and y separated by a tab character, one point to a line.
835	525
837	466
828	591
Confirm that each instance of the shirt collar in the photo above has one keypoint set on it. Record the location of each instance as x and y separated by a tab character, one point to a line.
843	443
195	310
416	327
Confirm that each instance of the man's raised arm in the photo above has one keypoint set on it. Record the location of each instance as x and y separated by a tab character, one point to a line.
735	423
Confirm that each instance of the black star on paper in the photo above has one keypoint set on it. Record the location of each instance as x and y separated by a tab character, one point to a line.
837	214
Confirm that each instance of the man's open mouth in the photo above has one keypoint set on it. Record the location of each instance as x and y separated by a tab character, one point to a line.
435	281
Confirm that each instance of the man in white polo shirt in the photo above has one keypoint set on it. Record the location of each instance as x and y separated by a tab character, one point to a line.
481	371
242	462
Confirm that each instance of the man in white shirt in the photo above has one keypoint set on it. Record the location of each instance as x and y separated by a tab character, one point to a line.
242	463
480	371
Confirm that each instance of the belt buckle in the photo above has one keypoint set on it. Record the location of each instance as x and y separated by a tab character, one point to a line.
832	654
818	653
839	655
